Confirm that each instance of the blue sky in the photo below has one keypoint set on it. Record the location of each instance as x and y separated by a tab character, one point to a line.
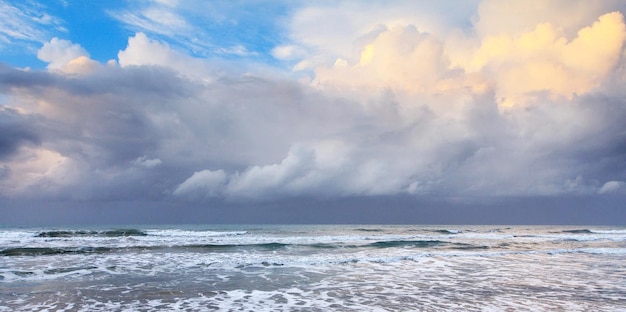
236	104
201	28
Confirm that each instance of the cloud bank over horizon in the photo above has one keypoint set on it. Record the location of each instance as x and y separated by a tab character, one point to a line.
492	99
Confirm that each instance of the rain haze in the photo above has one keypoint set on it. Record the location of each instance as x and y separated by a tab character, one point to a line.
453	112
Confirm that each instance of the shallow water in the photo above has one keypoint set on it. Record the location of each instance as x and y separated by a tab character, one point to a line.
313	268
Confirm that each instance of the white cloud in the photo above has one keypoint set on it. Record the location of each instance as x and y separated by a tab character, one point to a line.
346	24
26	22
611	187
202	184
268	180
327	168
186	25
238	50
288	52
146	162
170	3
142	50
159	17
59	53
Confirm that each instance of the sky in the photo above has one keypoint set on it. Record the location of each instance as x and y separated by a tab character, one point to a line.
193	111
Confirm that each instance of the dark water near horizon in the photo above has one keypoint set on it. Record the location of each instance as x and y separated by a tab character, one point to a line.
313	268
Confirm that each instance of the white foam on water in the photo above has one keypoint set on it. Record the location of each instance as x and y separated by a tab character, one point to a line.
9	235
608	231
537	269
604	251
185	233
434	282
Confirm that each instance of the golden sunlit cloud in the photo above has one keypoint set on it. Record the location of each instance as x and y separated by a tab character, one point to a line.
544	60
81	65
514	66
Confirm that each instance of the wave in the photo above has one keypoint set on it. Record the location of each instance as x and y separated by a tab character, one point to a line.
44	251
368	230
68	270
273	246
262	246
176	232
608	231
81	233
400	243
135	232
590	231
446	231
577	231
464	246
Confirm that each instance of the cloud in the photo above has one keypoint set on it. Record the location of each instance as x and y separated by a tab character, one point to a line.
146	162
611	187
142	51
287	52
516	67
169	21
160	18
544	60
202	184
38	172
59	53
347	24
400	58
397	107
17	130
81	65
262	181
327	168
494	18
25	22
224	29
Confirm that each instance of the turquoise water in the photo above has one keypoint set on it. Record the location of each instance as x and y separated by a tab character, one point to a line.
313	268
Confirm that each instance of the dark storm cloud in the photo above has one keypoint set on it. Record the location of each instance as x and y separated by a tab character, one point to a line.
139	131
15	78
552	148
99	124
106	110
142	131
16	130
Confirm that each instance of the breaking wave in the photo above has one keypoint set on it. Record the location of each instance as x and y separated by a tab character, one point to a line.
577	231
445	231
43	251
590	231
222	248
81	233
407	244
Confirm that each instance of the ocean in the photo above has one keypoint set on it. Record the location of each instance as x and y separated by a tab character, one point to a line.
313	268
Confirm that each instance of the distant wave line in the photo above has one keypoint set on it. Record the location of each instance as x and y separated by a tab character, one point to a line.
274	246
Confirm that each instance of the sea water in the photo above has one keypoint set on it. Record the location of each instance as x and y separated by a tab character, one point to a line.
313	268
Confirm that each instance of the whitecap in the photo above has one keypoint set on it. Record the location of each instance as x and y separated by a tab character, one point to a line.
186	233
